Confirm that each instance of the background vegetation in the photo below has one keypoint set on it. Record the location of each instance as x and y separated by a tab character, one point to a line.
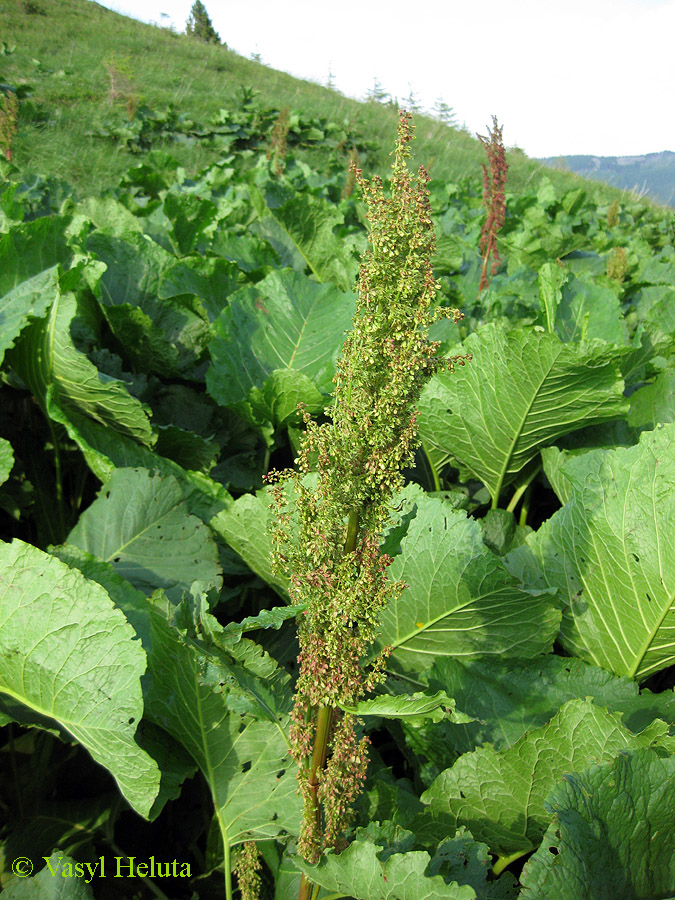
85	66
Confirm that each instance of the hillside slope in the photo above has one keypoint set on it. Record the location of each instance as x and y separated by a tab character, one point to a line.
83	66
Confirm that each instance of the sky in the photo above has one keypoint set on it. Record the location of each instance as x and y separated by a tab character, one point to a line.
581	77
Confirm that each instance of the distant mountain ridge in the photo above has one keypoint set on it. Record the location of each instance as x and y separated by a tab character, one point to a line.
652	174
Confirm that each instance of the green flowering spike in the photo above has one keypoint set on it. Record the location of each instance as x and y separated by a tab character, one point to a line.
336	568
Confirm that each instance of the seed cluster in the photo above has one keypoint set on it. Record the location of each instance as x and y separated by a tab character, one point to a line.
335	564
494	200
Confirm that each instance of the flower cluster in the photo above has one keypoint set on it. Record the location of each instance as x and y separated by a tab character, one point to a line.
494	185
276	152
9	117
335	564
246	867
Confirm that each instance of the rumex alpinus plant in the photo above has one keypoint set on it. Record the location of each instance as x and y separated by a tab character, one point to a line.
9	118
276	152
335	564
494	184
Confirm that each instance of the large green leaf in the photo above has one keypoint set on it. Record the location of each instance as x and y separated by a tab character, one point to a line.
579	309
27	301
654	403
32	248
106	450
499	795
276	345
191	217
244	760
167	336
174	764
359	872
460	600
6	460
68	655
612	834
245	527
511	696
305	225
46	358
141	525
608	551
108	215
521	391
60	879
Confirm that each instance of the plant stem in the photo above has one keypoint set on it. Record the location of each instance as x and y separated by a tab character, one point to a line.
59	480
520	490
227	858
504	861
324	720
525	508
432	468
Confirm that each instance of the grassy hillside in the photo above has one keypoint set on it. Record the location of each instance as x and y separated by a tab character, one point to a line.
82	65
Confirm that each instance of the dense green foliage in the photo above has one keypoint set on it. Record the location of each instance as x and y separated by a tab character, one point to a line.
159	341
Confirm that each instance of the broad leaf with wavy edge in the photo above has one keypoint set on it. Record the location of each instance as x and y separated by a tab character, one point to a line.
245	761
304	225
521	391
166	335
612	834
46	357
460	600
358	872
510	696
70	656
30	255
276	344
608	551
141	525
499	795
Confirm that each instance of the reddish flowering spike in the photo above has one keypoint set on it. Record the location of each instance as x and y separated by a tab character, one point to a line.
494	185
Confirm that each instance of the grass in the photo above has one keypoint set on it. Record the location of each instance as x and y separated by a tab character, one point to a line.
66	49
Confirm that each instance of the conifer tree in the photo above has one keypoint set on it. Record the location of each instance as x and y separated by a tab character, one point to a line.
199	24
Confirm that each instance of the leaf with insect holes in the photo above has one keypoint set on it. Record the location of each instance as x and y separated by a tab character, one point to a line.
358	872
612	833
499	795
